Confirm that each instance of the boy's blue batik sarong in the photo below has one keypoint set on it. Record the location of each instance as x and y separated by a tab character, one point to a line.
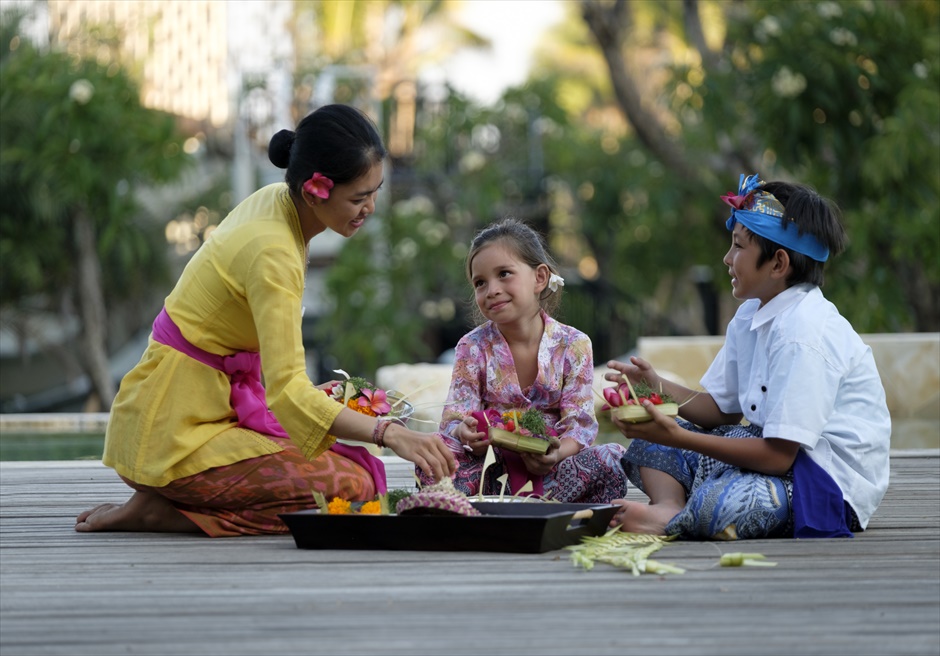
724	502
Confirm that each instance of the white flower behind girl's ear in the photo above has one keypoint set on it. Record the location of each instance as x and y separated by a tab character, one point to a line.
555	281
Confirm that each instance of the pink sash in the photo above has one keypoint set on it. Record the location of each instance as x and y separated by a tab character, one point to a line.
248	397
518	474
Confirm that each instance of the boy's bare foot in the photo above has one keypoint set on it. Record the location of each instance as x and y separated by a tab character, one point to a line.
636	517
144	512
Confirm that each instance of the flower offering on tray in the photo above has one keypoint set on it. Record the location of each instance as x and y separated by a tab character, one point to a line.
623	401
522	431
429	524
441	498
362	396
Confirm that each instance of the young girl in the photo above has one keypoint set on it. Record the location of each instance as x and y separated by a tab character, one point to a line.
521	358
812	461
190	430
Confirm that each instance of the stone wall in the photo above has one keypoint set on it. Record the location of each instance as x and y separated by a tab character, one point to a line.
909	364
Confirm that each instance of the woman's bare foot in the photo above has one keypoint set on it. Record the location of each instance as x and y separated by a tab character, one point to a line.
143	512
636	517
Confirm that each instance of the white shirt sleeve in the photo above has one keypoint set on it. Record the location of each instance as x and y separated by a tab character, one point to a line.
721	379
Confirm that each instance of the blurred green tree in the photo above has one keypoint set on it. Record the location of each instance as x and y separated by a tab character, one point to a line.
634	121
841	95
382	44
75	144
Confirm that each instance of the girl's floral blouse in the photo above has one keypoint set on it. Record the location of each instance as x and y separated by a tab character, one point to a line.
484	377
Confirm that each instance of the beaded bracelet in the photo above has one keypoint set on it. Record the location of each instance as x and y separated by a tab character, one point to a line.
378	433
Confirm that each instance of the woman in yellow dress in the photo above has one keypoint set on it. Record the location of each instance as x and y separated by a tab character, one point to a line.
203	445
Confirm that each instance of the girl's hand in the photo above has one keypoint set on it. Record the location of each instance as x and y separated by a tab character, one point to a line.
636	370
541	465
661	430
474	441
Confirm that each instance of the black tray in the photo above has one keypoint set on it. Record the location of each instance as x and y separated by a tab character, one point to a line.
533	527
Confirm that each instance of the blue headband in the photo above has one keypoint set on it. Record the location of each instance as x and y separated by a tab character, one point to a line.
761	213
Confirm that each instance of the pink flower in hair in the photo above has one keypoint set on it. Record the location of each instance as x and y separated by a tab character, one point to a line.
318	185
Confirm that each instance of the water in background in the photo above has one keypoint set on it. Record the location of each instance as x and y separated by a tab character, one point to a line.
51	446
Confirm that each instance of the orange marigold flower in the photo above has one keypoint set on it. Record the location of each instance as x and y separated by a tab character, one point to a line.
338	506
353	404
371	508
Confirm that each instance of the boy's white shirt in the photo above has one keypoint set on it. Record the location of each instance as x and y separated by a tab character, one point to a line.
799	370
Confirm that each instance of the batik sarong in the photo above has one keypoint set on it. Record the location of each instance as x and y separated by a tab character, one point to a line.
724	502
245	498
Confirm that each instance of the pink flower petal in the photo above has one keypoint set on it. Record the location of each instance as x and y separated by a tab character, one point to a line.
380	402
382	408
318	185
612	397
736	201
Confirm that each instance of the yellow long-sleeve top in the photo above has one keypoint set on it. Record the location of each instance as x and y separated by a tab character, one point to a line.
241	291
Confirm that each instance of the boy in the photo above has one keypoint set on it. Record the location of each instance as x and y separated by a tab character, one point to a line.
812	459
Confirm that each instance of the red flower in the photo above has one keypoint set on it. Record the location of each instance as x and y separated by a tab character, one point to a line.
738	202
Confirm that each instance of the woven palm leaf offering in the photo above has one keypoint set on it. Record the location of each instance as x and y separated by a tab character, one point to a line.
359	394
623	401
522	431
442	498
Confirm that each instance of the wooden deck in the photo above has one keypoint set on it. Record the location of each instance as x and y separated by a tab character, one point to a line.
99	594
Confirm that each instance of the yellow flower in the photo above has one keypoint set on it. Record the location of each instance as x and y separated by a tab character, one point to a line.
338	506
371	508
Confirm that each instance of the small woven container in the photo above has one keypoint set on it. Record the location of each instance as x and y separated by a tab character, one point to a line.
637	414
519	443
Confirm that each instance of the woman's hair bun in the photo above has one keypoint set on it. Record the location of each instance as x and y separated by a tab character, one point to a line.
279	148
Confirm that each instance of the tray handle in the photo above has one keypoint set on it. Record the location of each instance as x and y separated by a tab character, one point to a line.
580	518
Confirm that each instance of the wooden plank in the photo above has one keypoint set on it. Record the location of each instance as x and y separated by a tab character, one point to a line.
114	593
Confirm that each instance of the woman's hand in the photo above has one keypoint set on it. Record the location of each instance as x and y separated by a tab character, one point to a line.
426	450
470	437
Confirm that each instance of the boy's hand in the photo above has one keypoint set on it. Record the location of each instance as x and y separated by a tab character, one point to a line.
636	370
661	430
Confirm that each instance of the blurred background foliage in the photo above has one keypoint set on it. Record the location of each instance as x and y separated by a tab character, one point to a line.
844	96
635	117
77	145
